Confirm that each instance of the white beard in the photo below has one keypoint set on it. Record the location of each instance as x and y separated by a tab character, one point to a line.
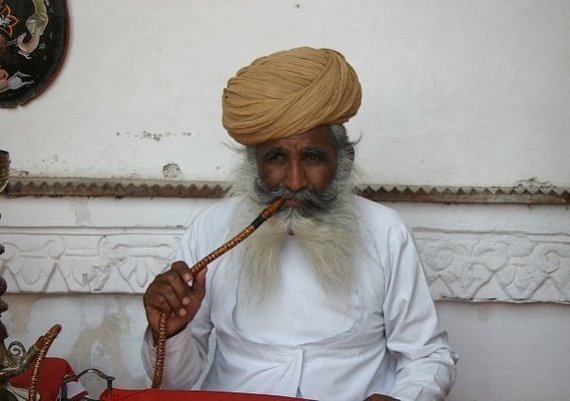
328	239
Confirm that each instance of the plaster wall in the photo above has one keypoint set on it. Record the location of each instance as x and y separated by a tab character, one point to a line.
455	92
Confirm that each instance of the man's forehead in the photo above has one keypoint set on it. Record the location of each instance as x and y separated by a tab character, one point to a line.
316	138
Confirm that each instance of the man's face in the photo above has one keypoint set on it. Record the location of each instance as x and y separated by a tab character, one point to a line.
307	161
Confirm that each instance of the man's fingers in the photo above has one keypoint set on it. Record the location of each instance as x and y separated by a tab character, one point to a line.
163	297
183	270
198	289
200	279
171	293
176	294
168	292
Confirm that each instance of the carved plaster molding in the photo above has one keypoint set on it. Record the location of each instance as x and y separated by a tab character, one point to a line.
118	260
515	267
529	192
466	266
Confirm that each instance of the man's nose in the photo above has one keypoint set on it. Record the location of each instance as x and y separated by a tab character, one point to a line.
296	179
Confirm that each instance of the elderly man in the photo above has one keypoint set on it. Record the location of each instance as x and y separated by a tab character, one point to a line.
327	300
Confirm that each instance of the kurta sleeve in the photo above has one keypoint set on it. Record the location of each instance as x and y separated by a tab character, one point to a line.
425	363
187	352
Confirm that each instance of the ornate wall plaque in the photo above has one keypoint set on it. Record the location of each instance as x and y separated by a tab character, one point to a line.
33	43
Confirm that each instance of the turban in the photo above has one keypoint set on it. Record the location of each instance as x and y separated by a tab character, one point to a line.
288	93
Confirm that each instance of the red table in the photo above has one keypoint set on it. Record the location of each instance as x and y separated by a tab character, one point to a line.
54	369
187	395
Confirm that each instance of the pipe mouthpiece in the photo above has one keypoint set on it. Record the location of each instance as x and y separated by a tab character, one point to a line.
272	208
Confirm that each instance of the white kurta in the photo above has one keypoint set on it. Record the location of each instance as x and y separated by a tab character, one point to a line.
388	341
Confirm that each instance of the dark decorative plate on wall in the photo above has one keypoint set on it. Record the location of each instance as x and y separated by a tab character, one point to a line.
33	43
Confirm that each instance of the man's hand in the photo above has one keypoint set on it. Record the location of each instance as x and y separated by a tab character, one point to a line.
170	293
379	397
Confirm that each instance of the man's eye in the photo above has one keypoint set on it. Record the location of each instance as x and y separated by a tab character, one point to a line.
273	156
315	156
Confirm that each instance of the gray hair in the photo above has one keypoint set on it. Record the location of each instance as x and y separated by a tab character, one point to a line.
344	148
340	140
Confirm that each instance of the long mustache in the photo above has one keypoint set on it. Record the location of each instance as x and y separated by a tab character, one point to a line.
313	201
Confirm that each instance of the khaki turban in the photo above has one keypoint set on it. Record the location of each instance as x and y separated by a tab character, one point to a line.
288	93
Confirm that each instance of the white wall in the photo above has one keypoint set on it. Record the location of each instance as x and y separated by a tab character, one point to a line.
455	92
509	351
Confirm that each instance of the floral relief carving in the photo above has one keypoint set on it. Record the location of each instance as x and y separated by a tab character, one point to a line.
79	262
29	263
469	266
132	258
489	266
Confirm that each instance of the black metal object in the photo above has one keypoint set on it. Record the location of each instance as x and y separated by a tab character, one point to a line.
75	377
